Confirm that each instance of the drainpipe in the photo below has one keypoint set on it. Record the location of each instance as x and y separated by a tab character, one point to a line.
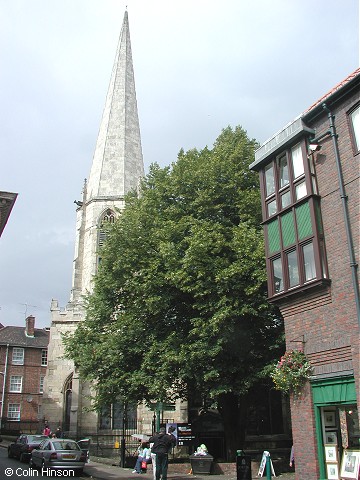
344	198
3	388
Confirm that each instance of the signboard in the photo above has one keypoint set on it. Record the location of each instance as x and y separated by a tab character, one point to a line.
263	465
184	434
169	407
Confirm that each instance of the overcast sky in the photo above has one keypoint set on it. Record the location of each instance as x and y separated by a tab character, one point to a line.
200	65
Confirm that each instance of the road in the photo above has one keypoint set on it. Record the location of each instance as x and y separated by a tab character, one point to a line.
15	470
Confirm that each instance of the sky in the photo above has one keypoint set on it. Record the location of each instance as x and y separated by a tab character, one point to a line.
200	66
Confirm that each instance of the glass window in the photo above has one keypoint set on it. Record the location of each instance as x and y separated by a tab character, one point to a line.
309	262
44	358
14	411
355	122
314	185
297	161
285	199
15	383
283	171
293	269
292	224
41	386
272	208
323	259
18	356
269	177
278	275
300	190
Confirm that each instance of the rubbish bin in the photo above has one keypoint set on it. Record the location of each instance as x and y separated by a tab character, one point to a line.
201	464
243	466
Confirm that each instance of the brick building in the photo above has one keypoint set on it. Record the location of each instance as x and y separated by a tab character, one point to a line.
309	174
23	362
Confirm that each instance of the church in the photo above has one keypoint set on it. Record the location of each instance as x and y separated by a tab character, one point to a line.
116	169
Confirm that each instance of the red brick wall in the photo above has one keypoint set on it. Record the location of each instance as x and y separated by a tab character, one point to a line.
31	372
327	320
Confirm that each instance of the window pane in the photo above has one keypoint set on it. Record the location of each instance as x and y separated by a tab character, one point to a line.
44	358
273	236
18	356
313	179
285	199
14	411
323	259
283	171
309	262
15	383
300	190
288	229
293	269
278	275
272	208
355	120
303	220
297	161
269	177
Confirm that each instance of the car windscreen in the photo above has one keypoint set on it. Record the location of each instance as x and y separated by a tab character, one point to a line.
66	445
36	438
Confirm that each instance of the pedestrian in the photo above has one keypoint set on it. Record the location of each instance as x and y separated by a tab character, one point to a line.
153	461
163	442
143	453
292	456
58	432
47	430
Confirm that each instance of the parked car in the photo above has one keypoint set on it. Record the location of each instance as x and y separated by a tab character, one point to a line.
58	453
24	445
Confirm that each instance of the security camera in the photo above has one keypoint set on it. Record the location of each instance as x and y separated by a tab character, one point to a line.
314	147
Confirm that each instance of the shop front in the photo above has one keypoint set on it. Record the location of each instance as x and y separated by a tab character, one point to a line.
337	427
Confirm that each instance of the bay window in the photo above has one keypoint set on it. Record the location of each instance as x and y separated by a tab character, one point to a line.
295	248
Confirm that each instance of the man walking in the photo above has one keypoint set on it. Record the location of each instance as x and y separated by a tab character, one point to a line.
162	444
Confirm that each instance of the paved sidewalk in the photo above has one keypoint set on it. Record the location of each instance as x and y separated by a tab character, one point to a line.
103	471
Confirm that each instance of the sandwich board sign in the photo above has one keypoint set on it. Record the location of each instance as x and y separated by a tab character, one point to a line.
263	464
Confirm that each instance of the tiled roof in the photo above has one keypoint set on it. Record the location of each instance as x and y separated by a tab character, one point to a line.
7	201
15	336
333	90
298	126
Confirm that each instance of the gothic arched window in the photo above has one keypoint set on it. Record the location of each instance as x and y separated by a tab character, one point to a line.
67	402
108	217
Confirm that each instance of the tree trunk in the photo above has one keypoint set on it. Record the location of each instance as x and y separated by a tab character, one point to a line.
233	413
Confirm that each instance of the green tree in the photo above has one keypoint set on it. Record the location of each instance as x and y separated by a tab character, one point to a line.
179	302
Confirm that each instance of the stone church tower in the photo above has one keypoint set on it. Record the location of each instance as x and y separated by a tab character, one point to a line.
116	169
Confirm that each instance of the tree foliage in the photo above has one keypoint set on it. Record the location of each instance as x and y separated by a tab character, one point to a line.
179	300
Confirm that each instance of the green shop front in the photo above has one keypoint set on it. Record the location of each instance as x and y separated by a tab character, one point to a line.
337	424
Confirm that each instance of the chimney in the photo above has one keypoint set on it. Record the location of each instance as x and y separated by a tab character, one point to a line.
30	324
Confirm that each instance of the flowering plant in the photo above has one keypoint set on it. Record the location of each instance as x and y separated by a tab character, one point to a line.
291	372
202	450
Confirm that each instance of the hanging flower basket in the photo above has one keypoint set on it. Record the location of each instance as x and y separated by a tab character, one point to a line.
293	370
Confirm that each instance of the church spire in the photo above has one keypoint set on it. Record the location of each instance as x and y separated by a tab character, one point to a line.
116	169
118	163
